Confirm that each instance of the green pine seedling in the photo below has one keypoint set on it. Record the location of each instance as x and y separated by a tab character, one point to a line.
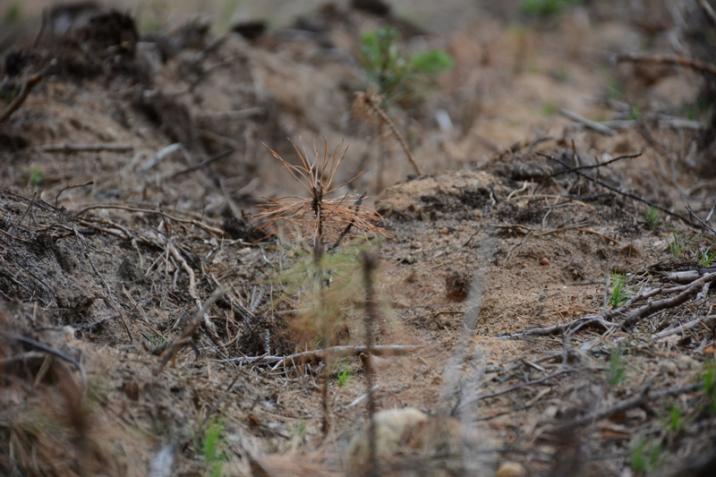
706	257
645	455
618	296
708	384
545	8
617	367
653	219
399	77
676	246
212	449
675	419
343	377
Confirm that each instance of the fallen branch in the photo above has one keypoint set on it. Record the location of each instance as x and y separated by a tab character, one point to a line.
204	163
320	354
628	195
708	11
629	318
683	327
190	331
196	223
645	395
671	60
192	283
598	165
25	91
587	123
70	149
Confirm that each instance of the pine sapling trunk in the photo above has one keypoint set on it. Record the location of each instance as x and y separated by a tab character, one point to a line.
371	315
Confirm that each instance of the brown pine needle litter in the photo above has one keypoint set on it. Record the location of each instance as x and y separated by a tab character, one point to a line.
317	173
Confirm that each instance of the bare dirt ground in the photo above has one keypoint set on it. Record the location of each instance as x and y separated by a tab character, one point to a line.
542	297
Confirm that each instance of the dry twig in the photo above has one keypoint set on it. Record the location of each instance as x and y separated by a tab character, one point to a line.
318	355
371	102
671	60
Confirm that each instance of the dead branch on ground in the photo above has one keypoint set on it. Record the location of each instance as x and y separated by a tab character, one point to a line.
670	60
628	317
313	356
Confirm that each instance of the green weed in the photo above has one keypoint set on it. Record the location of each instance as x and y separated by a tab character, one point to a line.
546	8
35	177
618	295
645	455
549	108
13	13
676	246
708	384
617	367
343	376
675	419
399	77
653	218
706	257
212	448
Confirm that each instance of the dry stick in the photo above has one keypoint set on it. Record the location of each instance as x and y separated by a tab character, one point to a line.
192	283
587	123
202	164
630	317
348	227
70	187
371	103
672	60
189	332
25	91
708	11
70	149
645	395
597	166
628	195
320	354
196	223
681	328
371	317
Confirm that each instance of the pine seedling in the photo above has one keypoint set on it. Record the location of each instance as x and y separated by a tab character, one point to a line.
617	367
399	77
706	257
675	419
676	246
618	295
646	455
212	451
324	215
653	220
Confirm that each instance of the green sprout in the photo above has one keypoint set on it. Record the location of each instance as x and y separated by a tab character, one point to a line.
545	8
708	383
13	13
675	419
645	455
617	367
676	246
344	376
35	177
618	296
706	257
212	448
399	77
652	217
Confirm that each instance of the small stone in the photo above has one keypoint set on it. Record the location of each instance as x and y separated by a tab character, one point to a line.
511	469
544	261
